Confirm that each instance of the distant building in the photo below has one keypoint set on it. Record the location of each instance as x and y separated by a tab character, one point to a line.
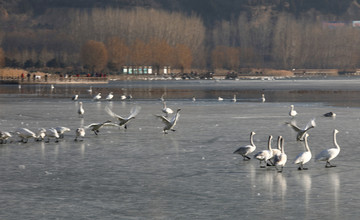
333	24
144	70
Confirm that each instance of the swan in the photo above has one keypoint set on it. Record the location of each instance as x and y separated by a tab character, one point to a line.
123	97
193	99
247	149
263	97
301	132
220	99
305	156
292	112
25	134
90	90
61	130
276	152
75	97
169	124
4	135
97	97
52	87
81	110
80	132
41	134
110	96
330	114
265	155
329	154
122	120
95	127
234	98
52	133
162	98
280	160
166	109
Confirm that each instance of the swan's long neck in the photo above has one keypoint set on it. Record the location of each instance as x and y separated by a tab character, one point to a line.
306	144
269	143
278	143
252	139
282	146
335	142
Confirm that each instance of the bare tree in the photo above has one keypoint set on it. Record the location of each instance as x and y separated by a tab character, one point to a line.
94	55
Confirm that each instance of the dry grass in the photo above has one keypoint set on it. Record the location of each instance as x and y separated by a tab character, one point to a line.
12	73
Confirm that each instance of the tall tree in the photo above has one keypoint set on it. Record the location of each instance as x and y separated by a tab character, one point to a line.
118	52
183	57
2	58
94	55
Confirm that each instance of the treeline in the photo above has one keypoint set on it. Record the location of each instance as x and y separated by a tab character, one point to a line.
262	38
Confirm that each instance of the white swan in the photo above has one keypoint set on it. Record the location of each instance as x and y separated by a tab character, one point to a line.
301	132
166	109
122	120
193	99
220	99
305	156
52	133
329	154
97	97
280	160
81	110
169	124
265	155
234	98
90	90
4	136
95	127
110	96
123	97
61	130
276	152
247	149
41	134
263	97
75	97
80	132
292	111
25	134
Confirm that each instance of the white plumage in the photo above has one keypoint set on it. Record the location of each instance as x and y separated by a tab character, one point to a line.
4	136
52	133
98	96
25	134
265	155
166	109
169	124
247	149
124	120
61	130
280	159
292	112
81	110
110	96
302	131
80	132
305	156
329	154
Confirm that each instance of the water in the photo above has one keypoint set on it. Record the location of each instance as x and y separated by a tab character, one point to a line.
192	173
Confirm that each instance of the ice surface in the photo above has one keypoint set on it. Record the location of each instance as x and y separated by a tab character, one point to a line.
192	173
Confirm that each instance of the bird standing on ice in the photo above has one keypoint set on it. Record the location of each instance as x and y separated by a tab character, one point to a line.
52	133
329	154
110	96
292	111
80	132
61	130
25	134
97	97
280	159
263	97
122	120
75	97
265	155
169	124
4	136
81	110
305	156
247	149
166	109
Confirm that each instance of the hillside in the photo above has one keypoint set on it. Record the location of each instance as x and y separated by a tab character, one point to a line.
210	10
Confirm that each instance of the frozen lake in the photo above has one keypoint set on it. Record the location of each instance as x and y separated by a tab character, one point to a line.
141	173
